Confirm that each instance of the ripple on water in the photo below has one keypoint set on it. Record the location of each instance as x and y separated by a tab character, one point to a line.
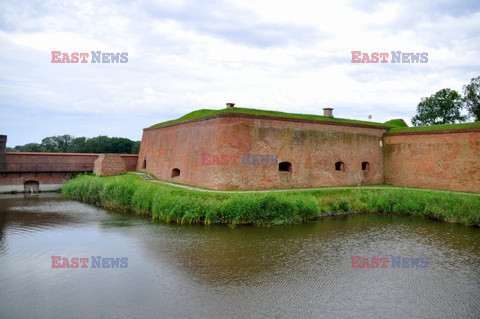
197	271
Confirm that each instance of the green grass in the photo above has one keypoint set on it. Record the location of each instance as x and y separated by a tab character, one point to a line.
237	110
393	126
130	193
396	123
172	204
433	128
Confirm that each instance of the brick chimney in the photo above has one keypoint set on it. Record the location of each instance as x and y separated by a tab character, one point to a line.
328	112
230	105
3	149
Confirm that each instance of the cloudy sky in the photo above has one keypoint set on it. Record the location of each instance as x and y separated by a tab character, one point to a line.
292	56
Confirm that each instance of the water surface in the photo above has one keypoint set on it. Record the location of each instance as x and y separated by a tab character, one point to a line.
192	271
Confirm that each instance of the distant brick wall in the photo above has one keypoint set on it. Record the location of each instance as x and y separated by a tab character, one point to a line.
130	161
109	164
14	182
50	170
3	148
26	161
51	162
175	153
437	160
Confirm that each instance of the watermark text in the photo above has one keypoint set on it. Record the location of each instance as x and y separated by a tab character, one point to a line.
384	57
85	262
383	262
83	57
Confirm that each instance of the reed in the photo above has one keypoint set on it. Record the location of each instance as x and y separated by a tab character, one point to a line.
171	204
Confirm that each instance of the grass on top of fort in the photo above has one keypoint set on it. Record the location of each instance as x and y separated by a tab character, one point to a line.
393	126
239	110
436	128
129	192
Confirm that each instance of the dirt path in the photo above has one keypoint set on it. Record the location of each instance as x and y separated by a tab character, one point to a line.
193	188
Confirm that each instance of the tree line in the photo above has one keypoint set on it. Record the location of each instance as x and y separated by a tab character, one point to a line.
70	144
445	106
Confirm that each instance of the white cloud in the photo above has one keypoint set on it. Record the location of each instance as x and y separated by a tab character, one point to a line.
185	55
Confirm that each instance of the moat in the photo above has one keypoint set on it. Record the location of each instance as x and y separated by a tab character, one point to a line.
195	271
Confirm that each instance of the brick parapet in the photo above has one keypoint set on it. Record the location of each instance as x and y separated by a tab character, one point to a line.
271	118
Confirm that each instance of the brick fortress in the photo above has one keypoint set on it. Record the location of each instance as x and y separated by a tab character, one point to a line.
238	149
233	151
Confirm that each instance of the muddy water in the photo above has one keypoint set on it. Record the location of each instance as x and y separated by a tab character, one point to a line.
171	271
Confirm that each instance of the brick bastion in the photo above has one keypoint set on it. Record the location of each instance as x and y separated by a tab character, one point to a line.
231	151
211	152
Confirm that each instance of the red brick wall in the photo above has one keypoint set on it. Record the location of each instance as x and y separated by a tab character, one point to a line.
130	161
312	148
3	148
22	161
52	168
443	160
14	182
109	165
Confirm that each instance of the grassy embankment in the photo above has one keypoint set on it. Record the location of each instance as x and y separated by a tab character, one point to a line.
171	204
435	128
393	126
248	111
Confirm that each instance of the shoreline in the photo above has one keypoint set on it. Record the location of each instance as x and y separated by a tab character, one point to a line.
129	192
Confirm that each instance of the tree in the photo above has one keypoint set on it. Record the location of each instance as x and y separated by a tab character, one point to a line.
31	147
121	145
135	148
66	143
57	144
440	108
99	144
471	97
77	145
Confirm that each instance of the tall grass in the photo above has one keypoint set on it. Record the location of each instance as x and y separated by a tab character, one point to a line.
171	204
129	192
451	207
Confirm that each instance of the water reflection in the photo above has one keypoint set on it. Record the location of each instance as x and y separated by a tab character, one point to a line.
221	255
217	271
31	215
